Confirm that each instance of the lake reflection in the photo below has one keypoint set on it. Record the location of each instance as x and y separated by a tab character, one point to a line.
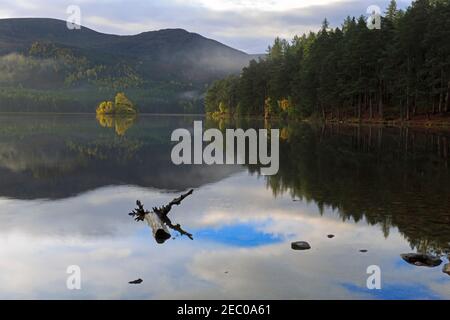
67	185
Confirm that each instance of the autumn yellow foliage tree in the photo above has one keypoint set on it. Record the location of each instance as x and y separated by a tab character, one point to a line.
105	107
284	104
123	104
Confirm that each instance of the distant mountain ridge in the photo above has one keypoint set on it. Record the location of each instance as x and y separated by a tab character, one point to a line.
168	54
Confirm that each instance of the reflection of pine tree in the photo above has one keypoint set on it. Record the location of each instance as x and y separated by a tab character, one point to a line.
399	181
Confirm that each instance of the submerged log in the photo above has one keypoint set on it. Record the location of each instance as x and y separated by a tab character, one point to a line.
160	231
159	221
164	211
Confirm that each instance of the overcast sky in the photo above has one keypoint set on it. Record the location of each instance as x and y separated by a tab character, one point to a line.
248	25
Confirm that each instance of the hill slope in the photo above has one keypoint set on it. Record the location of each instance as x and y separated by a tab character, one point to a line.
170	54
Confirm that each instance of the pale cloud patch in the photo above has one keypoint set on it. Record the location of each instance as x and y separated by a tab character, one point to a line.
118	26
5	13
26	4
260	5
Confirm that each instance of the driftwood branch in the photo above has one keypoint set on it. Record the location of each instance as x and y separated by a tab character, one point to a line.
139	213
164	211
176	227
158	219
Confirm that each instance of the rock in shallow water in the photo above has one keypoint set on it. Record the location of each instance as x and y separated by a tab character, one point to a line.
421	260
138	281
330	236
300	245
446	269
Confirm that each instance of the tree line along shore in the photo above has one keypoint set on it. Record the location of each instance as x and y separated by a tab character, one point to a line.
394	74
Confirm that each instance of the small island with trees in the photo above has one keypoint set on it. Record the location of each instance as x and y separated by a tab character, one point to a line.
121	106
120	114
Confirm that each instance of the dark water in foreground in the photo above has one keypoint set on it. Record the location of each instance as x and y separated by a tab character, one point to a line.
67	184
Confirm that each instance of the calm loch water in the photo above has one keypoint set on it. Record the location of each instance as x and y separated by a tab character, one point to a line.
67	184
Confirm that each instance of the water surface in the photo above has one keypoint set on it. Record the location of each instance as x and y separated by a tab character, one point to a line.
68	182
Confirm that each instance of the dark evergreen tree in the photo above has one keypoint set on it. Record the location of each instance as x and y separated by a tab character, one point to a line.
399	71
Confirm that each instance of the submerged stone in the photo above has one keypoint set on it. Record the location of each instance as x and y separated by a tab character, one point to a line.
138	281
300	245
446	269
421	260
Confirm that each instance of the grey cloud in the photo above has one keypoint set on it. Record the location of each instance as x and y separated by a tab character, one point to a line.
251	31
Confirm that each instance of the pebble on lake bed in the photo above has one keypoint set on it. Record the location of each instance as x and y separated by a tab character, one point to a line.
138	281
300	245
446	269
421	260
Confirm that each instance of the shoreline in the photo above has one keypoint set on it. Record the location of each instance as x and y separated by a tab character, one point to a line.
440	122
94	114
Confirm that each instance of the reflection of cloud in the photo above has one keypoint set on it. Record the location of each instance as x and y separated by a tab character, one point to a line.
102	213
39	239
275	271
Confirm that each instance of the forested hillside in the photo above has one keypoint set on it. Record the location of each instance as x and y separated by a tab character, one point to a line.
44	66
401	71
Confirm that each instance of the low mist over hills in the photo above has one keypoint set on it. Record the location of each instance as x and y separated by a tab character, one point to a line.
44	55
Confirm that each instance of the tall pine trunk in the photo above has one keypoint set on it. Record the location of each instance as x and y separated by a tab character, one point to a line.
407	92
447	98
359	107
380	100
441	95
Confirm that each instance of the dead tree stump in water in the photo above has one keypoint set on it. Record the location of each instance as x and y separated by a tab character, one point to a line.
160	231
158	219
